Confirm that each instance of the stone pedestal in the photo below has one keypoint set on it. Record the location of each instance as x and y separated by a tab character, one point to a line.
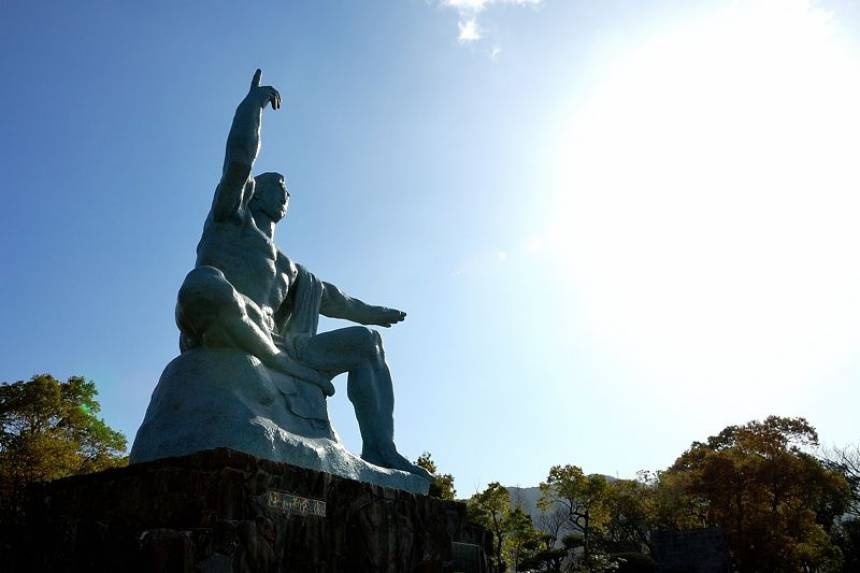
221	510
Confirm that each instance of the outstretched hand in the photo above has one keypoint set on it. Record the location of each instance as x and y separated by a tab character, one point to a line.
383	316
263	95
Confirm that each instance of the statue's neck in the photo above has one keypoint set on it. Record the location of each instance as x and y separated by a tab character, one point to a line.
264	223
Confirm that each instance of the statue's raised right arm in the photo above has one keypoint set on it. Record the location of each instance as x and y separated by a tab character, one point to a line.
236	185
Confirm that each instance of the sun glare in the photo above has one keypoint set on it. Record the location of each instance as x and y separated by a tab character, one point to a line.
706	199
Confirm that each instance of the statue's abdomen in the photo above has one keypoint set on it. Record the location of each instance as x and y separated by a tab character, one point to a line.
247	262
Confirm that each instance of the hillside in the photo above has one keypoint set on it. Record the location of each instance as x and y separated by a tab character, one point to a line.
527	498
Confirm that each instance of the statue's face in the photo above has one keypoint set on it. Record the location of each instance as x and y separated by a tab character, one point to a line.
273	200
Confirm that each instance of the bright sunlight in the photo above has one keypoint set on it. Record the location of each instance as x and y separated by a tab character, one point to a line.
706	207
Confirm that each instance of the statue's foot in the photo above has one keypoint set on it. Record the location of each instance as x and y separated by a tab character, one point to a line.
389	458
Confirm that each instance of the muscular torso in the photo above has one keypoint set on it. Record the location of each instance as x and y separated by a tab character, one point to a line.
249	260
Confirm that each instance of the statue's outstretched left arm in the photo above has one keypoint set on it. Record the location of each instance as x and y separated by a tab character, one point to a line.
336	304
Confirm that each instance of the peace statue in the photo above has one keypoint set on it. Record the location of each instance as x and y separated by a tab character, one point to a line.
253	373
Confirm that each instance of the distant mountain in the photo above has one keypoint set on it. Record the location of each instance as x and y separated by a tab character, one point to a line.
527	498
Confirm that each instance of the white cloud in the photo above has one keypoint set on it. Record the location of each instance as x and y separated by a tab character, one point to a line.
468	10
469	31
474	5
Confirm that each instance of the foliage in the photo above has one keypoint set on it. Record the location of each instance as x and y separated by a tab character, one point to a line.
846	536
545	559
630	507
49	430
522	541
775	502
552	520
492	508
673	508
442	485
515	538
582	498
632	562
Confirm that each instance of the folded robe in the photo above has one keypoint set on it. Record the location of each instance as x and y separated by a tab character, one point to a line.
303	314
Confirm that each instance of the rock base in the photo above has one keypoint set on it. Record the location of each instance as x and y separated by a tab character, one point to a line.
221	510
211	398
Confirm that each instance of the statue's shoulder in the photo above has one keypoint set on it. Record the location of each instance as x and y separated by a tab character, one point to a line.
287	265
229	230
239	219
220	236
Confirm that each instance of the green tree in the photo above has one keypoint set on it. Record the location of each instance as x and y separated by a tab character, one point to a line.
442	485
634	563
547	558
673	507
775	502
630	507
581	497
846	536
522	541
49	430
492	508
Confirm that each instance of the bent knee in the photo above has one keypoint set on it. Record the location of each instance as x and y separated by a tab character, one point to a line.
369	341
204	295
207	283
377	339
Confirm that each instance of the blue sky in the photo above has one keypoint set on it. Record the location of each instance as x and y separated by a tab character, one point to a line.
617	227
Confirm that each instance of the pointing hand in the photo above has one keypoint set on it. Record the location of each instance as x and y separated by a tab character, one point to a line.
262	95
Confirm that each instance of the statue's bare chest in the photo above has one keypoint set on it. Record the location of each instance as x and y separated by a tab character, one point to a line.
251	262
279	269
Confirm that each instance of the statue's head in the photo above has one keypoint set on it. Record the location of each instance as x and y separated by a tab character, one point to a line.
270	195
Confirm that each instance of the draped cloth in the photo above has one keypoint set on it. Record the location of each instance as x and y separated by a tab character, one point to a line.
298	321
303	315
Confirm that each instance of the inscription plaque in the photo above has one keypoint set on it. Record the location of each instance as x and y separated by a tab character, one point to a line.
294	504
